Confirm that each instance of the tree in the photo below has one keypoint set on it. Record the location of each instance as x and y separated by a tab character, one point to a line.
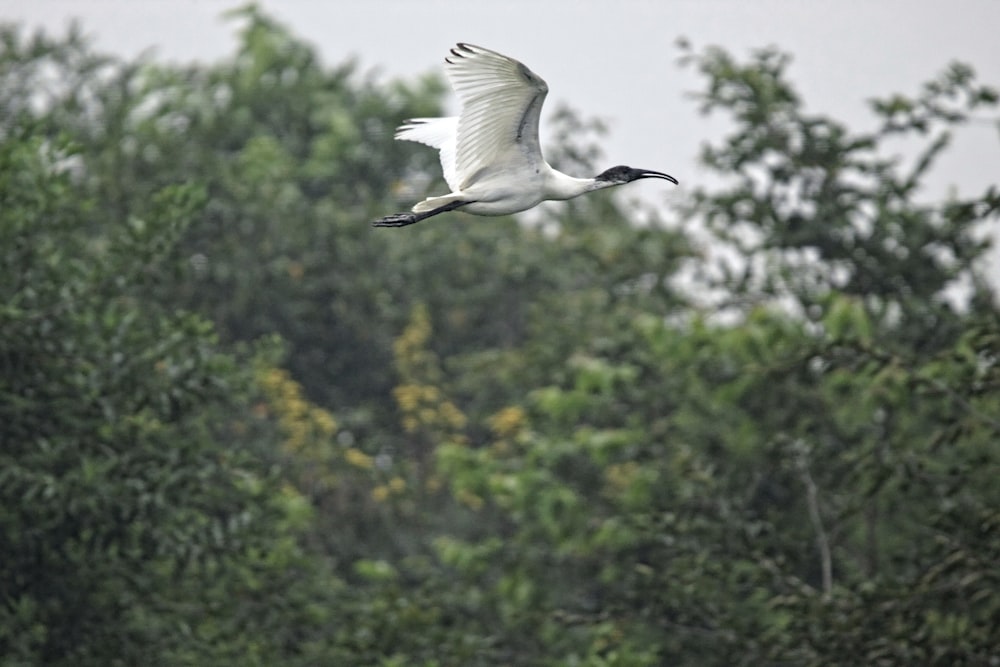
813	487
131	532
238	425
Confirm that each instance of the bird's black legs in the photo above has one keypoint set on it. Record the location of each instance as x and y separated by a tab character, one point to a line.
404	219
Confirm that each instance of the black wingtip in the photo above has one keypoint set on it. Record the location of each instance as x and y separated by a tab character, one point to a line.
460	51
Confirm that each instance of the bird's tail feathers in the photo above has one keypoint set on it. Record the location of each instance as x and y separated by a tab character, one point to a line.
432	203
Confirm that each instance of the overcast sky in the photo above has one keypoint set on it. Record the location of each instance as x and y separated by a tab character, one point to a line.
615	60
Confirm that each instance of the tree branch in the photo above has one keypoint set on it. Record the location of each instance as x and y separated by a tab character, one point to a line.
812	502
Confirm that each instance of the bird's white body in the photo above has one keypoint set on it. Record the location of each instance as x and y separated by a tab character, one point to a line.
490	153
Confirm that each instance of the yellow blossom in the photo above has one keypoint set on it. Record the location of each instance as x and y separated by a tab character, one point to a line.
407	396
508	421
453	416
324	421
358	458
410	424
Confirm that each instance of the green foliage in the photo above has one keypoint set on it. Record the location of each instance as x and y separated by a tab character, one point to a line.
238	426
822	209
115	479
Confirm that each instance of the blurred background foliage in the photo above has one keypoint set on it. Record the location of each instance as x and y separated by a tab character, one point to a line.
238	426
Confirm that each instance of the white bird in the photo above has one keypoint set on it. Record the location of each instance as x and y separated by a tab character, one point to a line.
490	153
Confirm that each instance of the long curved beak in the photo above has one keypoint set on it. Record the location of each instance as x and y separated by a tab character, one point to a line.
649	173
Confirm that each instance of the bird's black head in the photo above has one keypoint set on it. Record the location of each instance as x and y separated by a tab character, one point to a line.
622	174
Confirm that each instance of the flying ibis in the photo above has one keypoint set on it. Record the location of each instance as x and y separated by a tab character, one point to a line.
490	153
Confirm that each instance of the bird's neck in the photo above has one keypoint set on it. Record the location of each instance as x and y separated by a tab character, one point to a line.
562	186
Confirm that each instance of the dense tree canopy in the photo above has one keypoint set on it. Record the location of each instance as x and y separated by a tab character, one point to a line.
239	426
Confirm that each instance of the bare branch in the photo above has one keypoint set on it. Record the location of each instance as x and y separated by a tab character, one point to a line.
812	502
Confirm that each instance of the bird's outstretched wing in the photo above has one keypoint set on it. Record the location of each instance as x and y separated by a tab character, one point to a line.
501	104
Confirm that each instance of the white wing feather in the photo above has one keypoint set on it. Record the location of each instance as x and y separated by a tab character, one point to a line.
498	127
439	133
501	104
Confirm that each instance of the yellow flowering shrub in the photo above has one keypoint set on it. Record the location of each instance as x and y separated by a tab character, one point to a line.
424	407
359	459
508	422
308	429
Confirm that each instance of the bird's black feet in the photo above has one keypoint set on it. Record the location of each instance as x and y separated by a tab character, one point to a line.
404	219
397	220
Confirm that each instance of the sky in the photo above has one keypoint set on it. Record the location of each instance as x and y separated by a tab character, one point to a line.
616	61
